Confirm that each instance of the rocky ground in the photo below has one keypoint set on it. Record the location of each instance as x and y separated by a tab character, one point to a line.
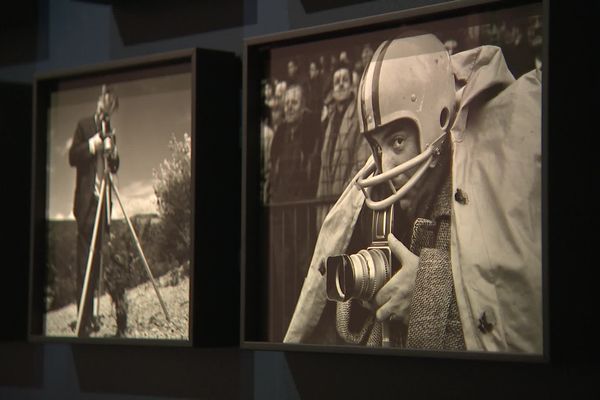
145	318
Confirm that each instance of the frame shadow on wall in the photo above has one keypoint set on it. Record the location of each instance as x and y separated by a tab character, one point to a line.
146	24
413	377
186	373
311	6
24	33
20	365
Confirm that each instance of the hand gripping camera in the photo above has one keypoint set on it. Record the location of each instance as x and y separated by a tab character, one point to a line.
106	132
361	275
105	128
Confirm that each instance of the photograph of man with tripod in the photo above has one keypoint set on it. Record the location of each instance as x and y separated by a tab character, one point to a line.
119	216
92	152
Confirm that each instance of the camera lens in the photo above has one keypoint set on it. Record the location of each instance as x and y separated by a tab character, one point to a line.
367	283
382	270
338	285
357	276
360	274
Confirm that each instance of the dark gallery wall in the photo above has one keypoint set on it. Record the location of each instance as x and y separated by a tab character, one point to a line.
41	36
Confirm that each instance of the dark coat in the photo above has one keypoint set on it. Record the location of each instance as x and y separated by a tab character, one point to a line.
85	162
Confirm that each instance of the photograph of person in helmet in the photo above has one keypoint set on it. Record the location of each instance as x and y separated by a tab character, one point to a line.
436	243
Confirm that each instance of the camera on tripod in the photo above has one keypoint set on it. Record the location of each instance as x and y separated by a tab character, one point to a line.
361	275
106	190
106	132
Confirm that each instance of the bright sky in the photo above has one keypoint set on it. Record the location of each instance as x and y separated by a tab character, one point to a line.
150	112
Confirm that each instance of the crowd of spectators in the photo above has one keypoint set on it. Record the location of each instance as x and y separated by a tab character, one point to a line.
311	146
310	138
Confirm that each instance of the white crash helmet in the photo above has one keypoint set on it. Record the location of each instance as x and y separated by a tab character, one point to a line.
407	78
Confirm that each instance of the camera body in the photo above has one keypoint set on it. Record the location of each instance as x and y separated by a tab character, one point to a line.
107	134
105	128
361	275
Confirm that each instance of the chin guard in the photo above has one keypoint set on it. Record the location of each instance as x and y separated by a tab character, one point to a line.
370	178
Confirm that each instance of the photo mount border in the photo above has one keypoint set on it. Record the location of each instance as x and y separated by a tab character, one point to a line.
251	318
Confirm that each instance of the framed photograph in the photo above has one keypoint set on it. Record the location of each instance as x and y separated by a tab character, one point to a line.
115	205
394	185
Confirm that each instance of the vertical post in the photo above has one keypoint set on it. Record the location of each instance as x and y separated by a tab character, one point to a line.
100	287
385	334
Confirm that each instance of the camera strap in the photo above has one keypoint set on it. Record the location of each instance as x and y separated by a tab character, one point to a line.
382	225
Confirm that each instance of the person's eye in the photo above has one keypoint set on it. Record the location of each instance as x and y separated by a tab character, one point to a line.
398	143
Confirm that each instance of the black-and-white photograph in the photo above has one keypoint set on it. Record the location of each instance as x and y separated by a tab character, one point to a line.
119	206
400	185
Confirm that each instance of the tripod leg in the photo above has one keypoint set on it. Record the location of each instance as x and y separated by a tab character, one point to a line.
99	288
107	213
139	248
90	259
108	196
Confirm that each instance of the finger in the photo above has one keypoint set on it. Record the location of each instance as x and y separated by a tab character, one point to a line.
384	312
398	248
382	296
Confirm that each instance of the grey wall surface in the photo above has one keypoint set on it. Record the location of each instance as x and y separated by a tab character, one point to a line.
76	33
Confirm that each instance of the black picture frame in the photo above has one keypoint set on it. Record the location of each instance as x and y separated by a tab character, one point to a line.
15	112
201	88
261	298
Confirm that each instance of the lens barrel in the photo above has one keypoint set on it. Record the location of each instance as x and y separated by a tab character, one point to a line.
358	276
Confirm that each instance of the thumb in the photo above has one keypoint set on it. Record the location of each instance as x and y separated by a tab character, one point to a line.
398	248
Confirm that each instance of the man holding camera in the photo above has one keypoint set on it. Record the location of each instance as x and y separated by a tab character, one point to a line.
456	179
93	145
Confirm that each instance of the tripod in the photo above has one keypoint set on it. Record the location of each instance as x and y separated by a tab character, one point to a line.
107	186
